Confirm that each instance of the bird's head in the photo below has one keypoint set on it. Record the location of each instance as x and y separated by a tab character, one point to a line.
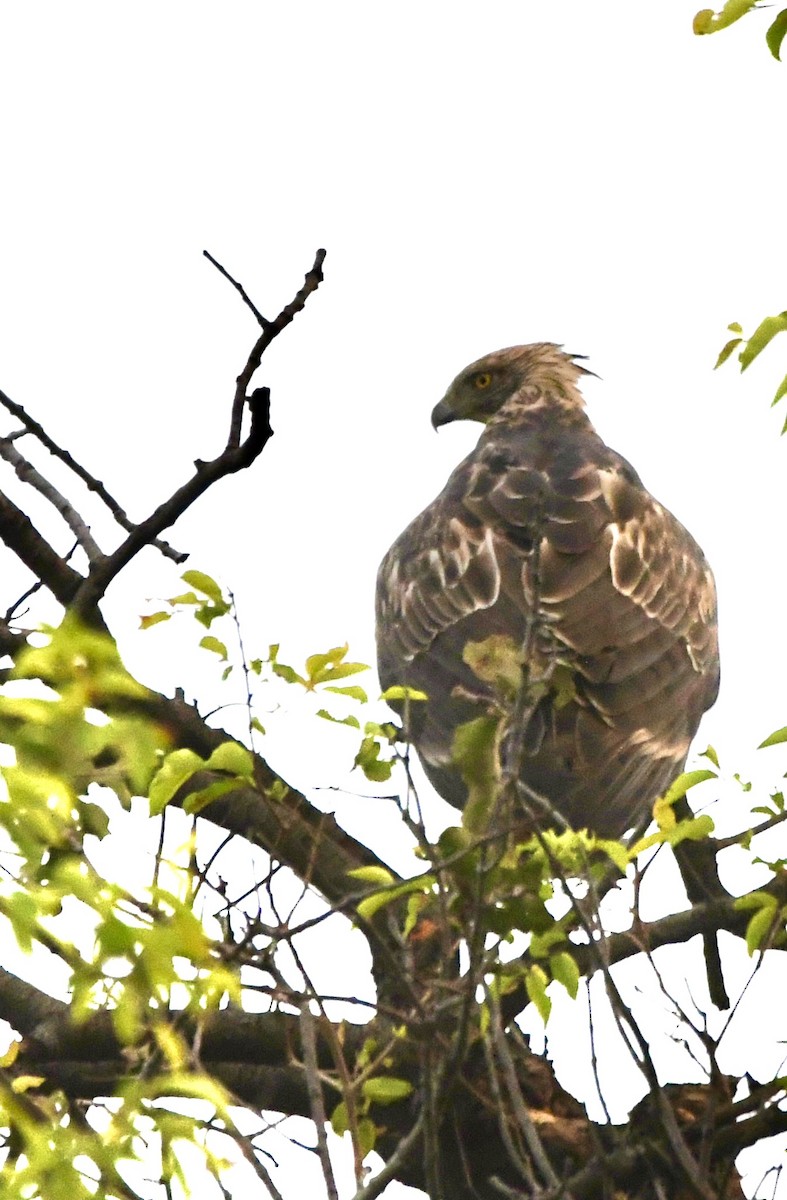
535	374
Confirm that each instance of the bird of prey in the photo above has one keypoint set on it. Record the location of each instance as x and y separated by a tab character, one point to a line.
545	537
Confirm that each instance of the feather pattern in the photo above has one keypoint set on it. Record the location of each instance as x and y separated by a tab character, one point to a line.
543	516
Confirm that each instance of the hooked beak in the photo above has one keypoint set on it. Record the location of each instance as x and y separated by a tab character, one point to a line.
442	414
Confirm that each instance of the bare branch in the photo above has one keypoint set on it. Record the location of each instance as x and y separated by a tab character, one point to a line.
207	473
93	484
28	474
21	536
270	331
261	321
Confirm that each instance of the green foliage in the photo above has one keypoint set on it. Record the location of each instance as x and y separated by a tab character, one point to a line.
708	21
322	674
143	954
476	752
763	335
767	916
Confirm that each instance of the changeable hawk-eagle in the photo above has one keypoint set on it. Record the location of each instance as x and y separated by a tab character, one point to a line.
546	536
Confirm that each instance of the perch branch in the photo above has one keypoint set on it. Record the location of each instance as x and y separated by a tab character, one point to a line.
93	484
206	474
21	536
247	300
270	330
28	474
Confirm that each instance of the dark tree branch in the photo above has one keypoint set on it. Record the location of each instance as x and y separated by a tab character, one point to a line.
93	484
28	474
271	330
207	473
261	321
21	536
292	830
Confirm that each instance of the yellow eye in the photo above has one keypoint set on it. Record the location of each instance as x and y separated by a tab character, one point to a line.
482	380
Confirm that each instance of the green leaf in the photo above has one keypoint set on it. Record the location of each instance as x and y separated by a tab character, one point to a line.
328	674
366	1134
776	34
536	982
734	327
351	720
177	768
760	926
616	851
353	691
205	584
763	334
782	388
196	801
726	351
386	1089
152	619
289	674
565	971
257	724
184	598
232	758
693	829
377	875
340	1119
663	811
278	791
475	752
711	756
215	646
397	692
774	739
370	905
496	660
708	21
377	769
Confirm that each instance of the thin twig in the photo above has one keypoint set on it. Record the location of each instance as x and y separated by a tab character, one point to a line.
402	1155
28	474
524	1120
93	484
272	330
206	474
261	321
309	1043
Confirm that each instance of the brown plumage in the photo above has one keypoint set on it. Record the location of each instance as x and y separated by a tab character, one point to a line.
543	516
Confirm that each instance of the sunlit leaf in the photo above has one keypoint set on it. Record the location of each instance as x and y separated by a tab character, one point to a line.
155	618
177	768
774	739
565	970
398	692
776	34
536	981
214	645
708	21
350	720
205	584
353	691
386	1089
781	390
763	334
476	754
372	874
726	351
232	758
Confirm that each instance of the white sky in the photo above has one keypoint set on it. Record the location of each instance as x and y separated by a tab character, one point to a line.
481	175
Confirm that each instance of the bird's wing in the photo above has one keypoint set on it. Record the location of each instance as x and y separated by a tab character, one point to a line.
622	591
